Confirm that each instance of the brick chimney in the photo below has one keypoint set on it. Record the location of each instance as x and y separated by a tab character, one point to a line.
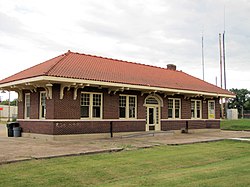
171	67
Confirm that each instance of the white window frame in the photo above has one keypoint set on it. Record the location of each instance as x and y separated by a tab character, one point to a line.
127	106
210	114
25	106
40	105
173	110
195	109
91	105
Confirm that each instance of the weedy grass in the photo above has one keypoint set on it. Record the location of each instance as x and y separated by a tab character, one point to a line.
224	163
240	124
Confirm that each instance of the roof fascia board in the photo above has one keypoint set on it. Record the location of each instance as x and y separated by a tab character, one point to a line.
110	84
23	81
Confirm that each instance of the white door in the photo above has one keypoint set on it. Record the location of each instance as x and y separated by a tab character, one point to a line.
153	118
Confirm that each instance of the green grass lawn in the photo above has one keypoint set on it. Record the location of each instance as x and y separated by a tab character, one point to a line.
224	163
240	124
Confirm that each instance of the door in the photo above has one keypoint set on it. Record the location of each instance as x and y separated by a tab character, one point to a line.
152	118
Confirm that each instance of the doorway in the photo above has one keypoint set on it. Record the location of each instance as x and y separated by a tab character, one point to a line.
153	113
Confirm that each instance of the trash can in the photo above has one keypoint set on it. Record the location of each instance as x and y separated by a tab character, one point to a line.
10	127
17	131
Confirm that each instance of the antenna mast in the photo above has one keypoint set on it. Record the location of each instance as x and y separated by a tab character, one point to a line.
220	60
224	60
224	51
202	55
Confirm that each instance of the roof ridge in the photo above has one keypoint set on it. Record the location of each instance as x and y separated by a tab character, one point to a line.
65	55
125	61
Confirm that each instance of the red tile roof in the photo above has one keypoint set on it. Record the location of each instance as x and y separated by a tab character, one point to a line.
88	67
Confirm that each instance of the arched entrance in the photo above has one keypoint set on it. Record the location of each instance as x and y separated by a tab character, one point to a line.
153	112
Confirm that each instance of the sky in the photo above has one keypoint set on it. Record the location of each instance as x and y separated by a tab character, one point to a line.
154	32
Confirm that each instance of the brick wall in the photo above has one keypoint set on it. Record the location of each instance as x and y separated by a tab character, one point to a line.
217	109
68	108
80	127
192	124
186	108
204	109
20	113
110	105
164	109
90	127
40	127
141	110
34	104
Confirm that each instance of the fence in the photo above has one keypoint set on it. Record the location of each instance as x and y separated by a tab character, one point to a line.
5	112
246	114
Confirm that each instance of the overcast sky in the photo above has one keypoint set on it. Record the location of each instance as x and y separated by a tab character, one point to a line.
155	32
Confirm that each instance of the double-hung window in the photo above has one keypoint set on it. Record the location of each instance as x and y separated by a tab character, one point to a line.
122	106
42	105
211	109
174	108
27	106
196	109
91	105
127	106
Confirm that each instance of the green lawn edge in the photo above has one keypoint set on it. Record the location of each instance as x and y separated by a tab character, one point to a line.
223	163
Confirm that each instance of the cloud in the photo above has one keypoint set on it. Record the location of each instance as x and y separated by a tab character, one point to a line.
154	32
10	25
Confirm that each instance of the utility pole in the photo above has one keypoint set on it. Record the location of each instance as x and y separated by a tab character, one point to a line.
224	60
9	108
221	58
202	55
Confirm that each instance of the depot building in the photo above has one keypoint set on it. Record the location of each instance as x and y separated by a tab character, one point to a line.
81	94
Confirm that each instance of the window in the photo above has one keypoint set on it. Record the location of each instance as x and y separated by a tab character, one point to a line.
85	105
211	109
96	110
91	105
131	107
42	105
174	108
196	109
127	106
27	106
151	101
122	106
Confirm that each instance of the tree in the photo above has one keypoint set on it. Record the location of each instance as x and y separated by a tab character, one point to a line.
6	102
242	100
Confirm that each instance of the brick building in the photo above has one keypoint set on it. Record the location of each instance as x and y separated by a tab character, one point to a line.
79	94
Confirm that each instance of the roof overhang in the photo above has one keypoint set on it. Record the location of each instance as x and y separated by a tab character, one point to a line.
43	80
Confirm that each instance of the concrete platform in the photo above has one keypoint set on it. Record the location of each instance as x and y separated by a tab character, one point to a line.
26	148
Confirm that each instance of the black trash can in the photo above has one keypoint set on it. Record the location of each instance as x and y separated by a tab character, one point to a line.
10	127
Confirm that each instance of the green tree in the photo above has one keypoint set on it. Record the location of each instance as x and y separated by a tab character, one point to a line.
6	102
242	99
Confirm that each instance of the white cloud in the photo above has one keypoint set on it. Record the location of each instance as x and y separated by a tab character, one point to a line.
154	32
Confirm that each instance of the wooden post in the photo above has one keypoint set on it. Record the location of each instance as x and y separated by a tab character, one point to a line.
186	126
111	129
